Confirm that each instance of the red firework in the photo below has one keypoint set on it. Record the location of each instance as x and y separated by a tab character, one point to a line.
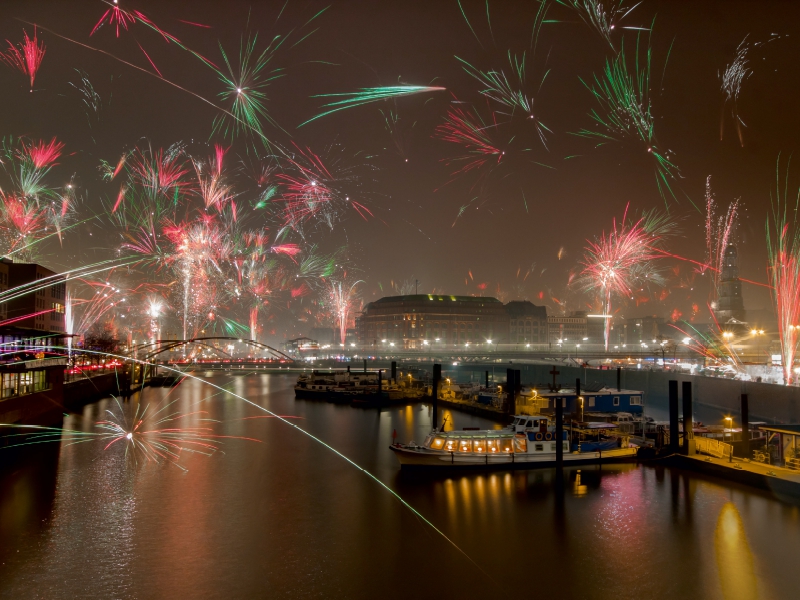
465	128
309	192
623	258
42	154
27	58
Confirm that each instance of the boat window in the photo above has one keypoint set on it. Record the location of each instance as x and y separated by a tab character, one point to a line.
479	446
591	401
539	447
616	400
553	447
636	400
493	445
465	445
450	445
437	443
536	423
520	444
530	424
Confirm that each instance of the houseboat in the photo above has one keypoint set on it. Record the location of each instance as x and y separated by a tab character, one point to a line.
529	441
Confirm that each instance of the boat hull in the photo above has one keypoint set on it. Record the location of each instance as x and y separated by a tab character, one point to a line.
420	457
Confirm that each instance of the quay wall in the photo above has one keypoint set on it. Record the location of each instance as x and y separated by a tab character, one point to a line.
90	389
713	397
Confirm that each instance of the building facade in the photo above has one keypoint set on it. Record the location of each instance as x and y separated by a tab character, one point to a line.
427	319
44	308
571	329
527	323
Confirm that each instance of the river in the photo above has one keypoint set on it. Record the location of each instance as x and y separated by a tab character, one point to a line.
283	516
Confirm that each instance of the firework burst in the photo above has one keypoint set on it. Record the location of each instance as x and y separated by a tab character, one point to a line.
719	232
603	17
26	57
622	260
626	113
343	299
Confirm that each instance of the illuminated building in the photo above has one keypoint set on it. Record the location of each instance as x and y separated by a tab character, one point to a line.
41	309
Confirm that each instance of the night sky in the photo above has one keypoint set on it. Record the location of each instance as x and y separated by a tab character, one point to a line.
519	214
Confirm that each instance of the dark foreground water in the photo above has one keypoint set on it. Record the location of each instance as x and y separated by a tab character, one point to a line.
285	517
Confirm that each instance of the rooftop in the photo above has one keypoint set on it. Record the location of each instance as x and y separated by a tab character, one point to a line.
429	297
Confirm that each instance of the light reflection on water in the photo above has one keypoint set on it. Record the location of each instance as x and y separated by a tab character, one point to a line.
287	518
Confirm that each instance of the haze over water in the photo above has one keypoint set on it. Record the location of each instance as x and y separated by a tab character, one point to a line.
287	518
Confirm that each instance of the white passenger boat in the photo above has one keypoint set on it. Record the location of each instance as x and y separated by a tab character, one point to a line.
529	441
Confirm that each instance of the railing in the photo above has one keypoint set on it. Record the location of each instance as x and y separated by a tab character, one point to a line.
712	447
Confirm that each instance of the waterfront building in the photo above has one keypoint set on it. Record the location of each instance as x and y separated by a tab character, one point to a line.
527	323
646	329
3	288
323	335
31	380
42	309
426	319
302	347
569	329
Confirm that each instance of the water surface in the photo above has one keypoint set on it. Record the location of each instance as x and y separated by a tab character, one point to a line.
285	517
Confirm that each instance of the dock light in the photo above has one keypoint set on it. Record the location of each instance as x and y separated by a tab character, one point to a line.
488	341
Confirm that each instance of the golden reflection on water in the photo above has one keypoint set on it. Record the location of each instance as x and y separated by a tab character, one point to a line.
737	576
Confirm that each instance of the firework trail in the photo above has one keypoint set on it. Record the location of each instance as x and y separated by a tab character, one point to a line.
27	58
602	18
343	299
715	346
622	259
625	112
510	96
719	231
468	130
367	96
400	136
731	80
783	245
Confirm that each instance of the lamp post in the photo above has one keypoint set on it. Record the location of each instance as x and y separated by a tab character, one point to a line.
730	430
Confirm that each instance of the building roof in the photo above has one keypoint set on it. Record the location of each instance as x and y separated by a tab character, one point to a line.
525	307
790	429
427	297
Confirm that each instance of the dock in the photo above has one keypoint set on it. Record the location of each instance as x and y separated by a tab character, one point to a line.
782	483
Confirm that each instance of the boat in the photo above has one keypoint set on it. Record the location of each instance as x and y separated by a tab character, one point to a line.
529	441
350	387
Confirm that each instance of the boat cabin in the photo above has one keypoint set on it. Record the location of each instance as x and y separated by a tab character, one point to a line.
605	400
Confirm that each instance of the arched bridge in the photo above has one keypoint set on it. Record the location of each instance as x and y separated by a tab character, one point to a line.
153	349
